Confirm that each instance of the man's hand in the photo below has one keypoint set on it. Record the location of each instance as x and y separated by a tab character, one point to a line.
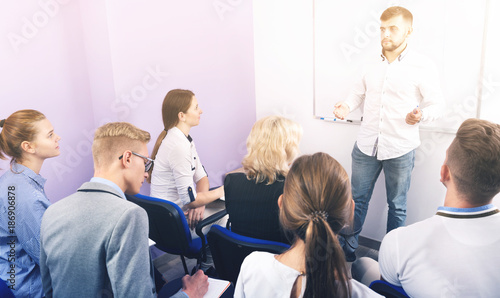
194	216
195	286
341	110
414	116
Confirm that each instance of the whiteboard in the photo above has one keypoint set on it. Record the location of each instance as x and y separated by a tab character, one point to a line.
451	33
489	106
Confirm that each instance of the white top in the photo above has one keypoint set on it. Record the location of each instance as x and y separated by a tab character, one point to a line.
390	91
177	167
261	275
455	253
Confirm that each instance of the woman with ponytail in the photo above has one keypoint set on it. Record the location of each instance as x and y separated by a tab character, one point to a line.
178	174
28	138
316	203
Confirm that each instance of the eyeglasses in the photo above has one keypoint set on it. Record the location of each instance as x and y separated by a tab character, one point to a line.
148	162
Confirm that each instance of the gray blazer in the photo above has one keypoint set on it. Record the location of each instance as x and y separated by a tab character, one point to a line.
94	243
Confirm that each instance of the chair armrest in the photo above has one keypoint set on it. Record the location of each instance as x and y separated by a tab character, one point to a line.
211	219
387	289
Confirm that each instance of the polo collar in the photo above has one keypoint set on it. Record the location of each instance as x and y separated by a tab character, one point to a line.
477	212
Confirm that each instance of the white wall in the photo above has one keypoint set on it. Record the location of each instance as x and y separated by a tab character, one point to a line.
283	41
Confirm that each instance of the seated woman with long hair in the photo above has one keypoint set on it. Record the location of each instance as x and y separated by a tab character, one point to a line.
178	174
316	203
252	193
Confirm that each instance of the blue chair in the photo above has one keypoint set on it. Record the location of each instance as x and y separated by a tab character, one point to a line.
168	227
230	249
5	291
388	290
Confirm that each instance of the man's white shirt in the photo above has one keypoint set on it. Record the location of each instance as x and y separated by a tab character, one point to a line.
389	92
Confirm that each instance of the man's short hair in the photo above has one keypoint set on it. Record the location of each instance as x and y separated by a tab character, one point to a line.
395	11
474	160
114	138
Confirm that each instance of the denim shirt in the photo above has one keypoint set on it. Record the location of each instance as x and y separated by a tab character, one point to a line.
22	204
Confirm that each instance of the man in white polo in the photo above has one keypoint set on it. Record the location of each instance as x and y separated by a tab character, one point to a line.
455	253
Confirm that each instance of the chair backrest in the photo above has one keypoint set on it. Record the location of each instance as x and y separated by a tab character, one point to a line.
5	291
230	249
167	225
388	290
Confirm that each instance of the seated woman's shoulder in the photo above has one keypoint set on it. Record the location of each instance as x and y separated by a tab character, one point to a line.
234	175
237	171
256	257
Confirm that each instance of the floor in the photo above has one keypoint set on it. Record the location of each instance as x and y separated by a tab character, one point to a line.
171	268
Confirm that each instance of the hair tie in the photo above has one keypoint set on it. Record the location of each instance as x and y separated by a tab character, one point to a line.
2	122
316	215
165	129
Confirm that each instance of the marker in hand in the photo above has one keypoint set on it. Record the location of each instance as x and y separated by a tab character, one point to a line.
414	116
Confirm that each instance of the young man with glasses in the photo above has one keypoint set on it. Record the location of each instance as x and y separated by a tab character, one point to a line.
148	162
94	243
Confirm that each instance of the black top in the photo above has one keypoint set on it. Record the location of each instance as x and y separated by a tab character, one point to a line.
253	207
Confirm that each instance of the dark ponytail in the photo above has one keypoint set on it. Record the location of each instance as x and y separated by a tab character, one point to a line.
316	205
326	271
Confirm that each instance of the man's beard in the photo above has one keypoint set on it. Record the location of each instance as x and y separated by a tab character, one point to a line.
391	47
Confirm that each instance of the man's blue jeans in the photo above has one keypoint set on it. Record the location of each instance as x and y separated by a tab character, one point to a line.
365	171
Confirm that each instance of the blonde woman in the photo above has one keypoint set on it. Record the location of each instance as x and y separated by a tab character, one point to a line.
252	193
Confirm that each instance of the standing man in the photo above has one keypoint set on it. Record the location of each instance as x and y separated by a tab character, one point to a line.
94	243
399	91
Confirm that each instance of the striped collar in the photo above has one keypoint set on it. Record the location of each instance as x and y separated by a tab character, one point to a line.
477	212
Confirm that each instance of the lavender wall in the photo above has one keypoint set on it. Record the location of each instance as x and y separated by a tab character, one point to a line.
84	63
